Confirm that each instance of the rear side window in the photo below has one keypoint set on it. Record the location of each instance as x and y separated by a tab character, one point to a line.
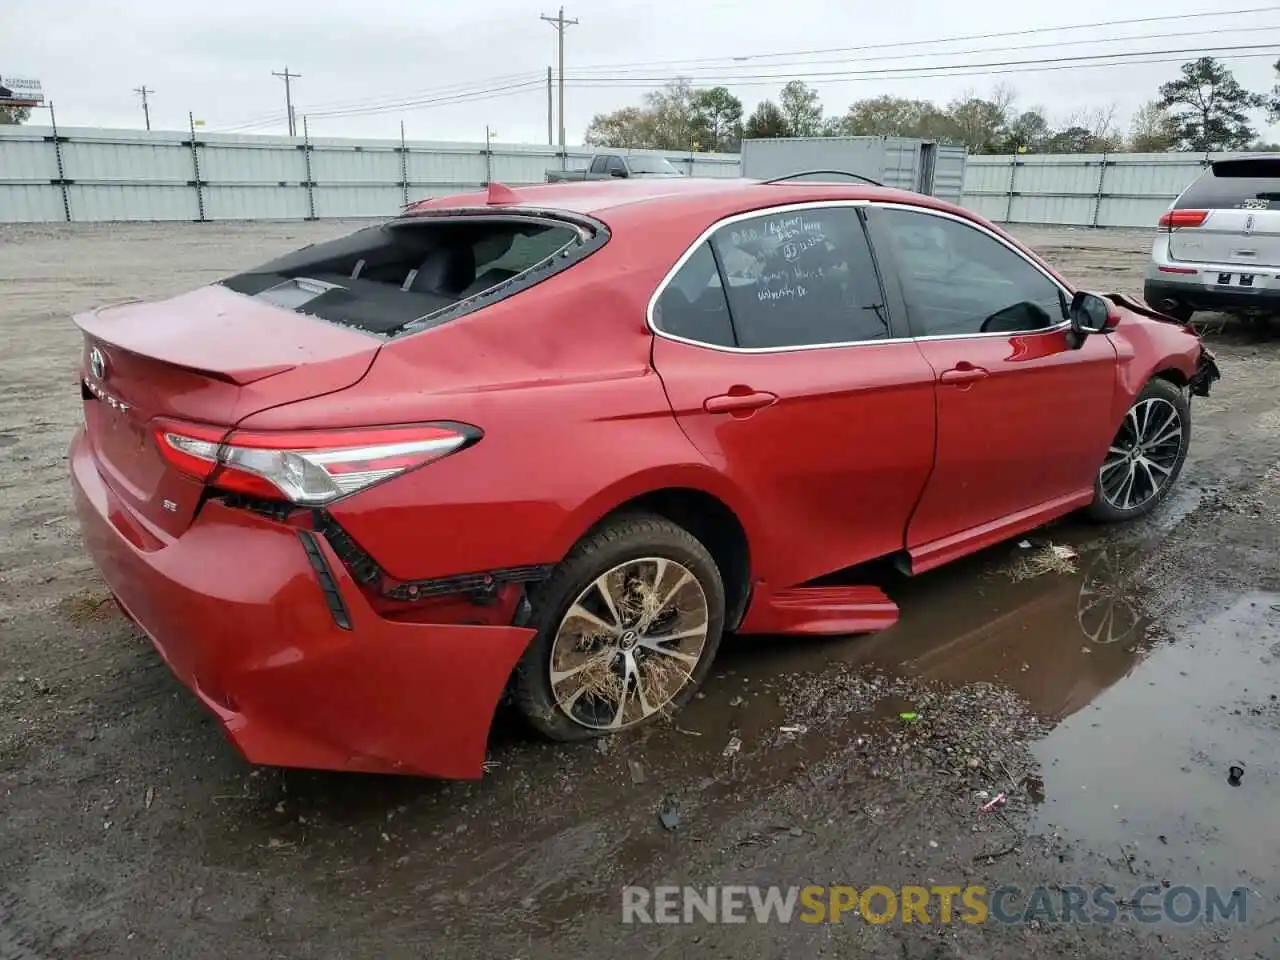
381	278
1248	183
693	304
801	278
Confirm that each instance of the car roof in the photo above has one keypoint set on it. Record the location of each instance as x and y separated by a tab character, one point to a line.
719	195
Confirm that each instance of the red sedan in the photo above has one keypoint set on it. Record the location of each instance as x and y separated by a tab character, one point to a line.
557	440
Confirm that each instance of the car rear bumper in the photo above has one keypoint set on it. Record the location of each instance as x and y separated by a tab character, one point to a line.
1207	286
236	609
1201	296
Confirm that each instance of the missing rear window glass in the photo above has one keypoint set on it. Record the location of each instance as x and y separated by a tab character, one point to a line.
415	272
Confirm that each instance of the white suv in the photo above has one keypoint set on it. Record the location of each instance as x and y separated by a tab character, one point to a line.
1219	243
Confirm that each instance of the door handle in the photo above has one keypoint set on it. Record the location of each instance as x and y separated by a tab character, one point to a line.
963	372
739	400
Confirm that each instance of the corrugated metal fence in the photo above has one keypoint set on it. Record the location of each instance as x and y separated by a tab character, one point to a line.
84	174
1089	190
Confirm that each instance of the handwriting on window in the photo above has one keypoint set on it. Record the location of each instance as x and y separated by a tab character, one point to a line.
781	249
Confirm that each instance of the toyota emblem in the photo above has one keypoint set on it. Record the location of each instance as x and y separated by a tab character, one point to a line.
97	363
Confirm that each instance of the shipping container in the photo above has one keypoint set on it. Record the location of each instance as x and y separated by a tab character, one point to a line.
922	166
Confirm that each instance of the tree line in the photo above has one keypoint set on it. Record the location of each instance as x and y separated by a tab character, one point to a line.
1203	109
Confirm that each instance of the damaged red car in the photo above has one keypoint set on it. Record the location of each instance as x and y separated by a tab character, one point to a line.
556	441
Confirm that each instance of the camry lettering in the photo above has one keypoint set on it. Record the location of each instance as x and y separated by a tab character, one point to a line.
108	399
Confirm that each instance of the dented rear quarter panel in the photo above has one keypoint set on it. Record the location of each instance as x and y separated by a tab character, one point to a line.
575	422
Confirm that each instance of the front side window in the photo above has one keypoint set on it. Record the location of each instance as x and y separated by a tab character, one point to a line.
616	165
801	278
959	281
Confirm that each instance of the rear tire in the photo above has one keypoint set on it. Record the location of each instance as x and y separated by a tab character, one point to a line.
621	654
1181	312
1146	456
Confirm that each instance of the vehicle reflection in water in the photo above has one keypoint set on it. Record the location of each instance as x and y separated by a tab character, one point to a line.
597	802
1068	640
1057	640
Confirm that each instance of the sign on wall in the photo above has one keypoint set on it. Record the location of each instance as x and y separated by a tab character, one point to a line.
20	92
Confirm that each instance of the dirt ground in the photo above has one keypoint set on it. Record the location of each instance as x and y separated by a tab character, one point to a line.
1109	703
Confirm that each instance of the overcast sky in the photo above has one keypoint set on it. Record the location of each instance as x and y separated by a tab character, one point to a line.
216	58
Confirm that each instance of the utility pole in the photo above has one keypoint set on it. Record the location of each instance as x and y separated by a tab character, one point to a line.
560	23
142	91
551	110
488	155
288	95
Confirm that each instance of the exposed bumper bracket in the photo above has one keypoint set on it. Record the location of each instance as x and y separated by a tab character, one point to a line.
1206	374
480	588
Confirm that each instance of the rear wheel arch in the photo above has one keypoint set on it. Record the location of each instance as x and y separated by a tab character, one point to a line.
1173	375
713	523
710	520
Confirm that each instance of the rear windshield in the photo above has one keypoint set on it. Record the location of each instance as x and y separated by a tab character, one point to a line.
651	165
1247	183
382	278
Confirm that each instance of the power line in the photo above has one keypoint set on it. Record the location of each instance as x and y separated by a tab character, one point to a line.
461	93
468	97
375	101
955	39
1081	60
465	97
378	101
940	71
960	71
142	91
288	96
561	24
1005	49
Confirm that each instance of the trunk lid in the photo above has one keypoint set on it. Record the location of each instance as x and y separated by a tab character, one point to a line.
211	356
1239	238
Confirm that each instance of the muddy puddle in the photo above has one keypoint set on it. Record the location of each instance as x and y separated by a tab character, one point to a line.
1064	672
1110	726
1146	769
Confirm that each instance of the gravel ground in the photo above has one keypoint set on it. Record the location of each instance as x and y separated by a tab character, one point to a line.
131	829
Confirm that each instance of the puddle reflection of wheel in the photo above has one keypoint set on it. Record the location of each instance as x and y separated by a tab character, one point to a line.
627	628
1105	609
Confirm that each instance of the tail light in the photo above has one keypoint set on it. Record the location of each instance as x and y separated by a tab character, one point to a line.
309	468
1182	218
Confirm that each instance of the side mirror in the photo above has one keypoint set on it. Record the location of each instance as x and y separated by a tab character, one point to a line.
1090	313
617	173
